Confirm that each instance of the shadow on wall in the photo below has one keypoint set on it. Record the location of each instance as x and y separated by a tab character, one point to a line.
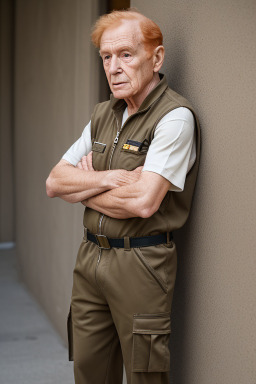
181	308
176	75
176	57
184	241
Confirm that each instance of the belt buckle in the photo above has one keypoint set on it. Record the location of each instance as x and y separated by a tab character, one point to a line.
102	242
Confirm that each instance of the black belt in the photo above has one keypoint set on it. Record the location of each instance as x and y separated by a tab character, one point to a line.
104	242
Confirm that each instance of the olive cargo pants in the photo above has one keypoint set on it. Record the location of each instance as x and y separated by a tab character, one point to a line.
120	313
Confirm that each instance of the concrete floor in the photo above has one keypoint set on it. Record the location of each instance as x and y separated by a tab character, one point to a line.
30	350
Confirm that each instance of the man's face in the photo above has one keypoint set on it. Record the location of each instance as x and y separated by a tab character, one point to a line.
127	64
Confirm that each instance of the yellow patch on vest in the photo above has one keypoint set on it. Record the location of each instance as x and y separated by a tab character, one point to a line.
131	147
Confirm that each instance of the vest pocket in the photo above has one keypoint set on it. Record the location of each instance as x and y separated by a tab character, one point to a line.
151	334
70	336
130	159
134	153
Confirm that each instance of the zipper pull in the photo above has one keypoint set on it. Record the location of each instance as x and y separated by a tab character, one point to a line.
116	139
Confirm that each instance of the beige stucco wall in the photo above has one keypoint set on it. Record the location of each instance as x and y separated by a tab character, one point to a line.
56	85
211	55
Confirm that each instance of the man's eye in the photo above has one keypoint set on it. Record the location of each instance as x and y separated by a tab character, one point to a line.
106	58
126	55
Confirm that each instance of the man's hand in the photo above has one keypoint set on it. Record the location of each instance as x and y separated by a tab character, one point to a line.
114	178
86	163
120	177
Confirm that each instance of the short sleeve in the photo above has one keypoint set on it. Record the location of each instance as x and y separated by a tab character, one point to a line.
80	148
173	149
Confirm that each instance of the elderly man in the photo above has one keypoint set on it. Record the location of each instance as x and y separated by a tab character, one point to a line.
134	168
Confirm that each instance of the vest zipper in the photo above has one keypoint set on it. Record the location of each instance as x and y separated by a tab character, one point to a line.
113	147
111	156
112	152
101	218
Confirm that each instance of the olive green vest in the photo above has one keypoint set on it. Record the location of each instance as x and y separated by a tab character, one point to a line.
110	152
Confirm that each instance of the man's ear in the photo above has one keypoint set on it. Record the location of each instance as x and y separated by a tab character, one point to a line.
158	58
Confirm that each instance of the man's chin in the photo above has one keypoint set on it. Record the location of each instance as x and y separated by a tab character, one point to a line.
120	94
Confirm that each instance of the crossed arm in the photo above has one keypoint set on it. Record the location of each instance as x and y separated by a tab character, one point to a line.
117	193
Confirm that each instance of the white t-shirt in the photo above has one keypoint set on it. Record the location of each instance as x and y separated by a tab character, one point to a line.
171	153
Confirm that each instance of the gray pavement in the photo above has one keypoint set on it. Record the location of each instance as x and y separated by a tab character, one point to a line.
30	349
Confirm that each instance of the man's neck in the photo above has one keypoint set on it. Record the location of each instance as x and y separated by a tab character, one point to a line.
133	104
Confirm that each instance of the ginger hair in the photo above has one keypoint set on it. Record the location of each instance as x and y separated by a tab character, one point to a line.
152	35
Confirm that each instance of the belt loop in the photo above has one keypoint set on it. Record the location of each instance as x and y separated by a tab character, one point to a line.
85	234
169	238
127	246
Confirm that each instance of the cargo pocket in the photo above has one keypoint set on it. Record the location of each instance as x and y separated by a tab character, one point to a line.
70	336
155	274
151	333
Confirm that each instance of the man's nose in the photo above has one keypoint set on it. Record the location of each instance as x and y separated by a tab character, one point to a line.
115	65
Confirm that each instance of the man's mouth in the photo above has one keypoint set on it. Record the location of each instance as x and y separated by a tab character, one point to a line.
118	83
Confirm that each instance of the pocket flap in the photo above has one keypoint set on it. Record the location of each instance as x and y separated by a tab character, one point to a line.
153	324
98	147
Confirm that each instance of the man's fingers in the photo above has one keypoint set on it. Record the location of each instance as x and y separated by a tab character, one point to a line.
84	163
138	169
89	161
79	165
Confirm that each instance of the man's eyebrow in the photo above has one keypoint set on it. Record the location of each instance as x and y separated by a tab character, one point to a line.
119	49
103	52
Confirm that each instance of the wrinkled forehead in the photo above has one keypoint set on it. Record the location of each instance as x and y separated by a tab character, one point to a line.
125	32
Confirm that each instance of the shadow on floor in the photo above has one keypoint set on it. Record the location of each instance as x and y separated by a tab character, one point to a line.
30	349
